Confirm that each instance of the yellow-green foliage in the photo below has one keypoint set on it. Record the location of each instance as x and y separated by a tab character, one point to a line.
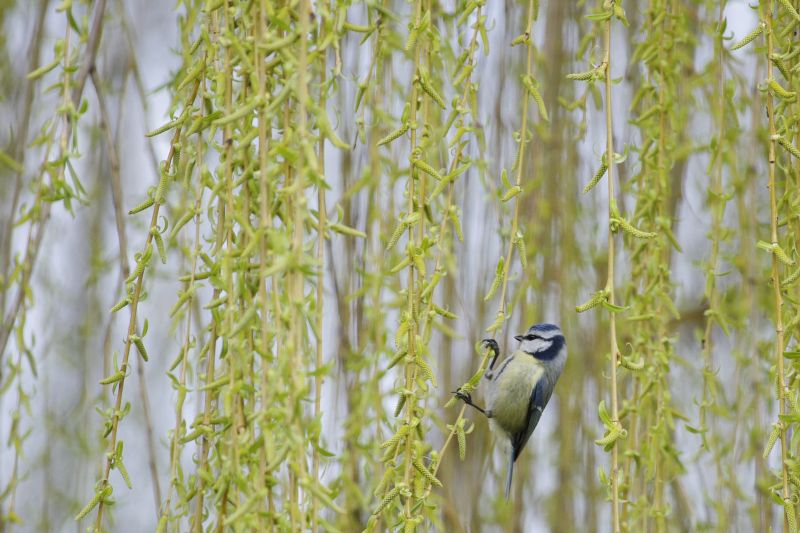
252	315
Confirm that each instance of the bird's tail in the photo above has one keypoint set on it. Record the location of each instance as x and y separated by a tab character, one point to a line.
510	473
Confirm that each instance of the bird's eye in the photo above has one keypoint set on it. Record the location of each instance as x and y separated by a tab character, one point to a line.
531	336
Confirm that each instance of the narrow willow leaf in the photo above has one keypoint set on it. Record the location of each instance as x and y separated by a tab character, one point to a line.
504	179
614	308
44	69
241	112
168	126
9	162
347	230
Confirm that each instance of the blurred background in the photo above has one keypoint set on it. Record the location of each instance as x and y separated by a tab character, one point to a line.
696	391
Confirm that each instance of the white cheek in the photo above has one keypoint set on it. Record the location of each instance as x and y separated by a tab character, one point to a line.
536	345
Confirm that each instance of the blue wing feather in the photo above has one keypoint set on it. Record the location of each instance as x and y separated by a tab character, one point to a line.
539	398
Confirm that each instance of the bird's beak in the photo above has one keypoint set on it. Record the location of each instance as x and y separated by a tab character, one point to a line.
518	337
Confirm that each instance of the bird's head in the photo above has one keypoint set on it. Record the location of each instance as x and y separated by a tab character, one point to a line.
543	341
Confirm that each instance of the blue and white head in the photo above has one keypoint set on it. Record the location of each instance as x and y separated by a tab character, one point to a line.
545	342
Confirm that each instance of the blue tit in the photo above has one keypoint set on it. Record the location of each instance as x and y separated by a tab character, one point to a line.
521	386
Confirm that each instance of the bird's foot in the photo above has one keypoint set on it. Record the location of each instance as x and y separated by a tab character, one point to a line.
492	345
464	396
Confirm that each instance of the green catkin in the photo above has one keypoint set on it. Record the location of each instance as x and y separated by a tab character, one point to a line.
396	358
498	279
126	301
456	224
401	402
523	251
779	91
113	378
630	229
787	145
168	126
598	298
791	278
422	469
427	169
391	495
531	85
782	256
790	9
750	36
498	322
120	466
141	207
431	91
401	265
162	250
461	437
395	134
597	177
426	369
773	438
185	218
99	495
140	346
511	193
791	518
584	76
396	234
778	62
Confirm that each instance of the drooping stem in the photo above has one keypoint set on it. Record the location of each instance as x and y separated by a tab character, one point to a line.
615	504
776	285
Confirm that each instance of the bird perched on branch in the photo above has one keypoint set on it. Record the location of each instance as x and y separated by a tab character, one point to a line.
521	386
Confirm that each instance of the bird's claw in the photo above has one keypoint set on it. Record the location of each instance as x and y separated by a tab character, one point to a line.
492	345
464	396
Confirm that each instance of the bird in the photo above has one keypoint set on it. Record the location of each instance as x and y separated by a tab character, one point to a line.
521	386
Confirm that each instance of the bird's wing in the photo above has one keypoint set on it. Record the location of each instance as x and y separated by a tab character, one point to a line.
539	398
